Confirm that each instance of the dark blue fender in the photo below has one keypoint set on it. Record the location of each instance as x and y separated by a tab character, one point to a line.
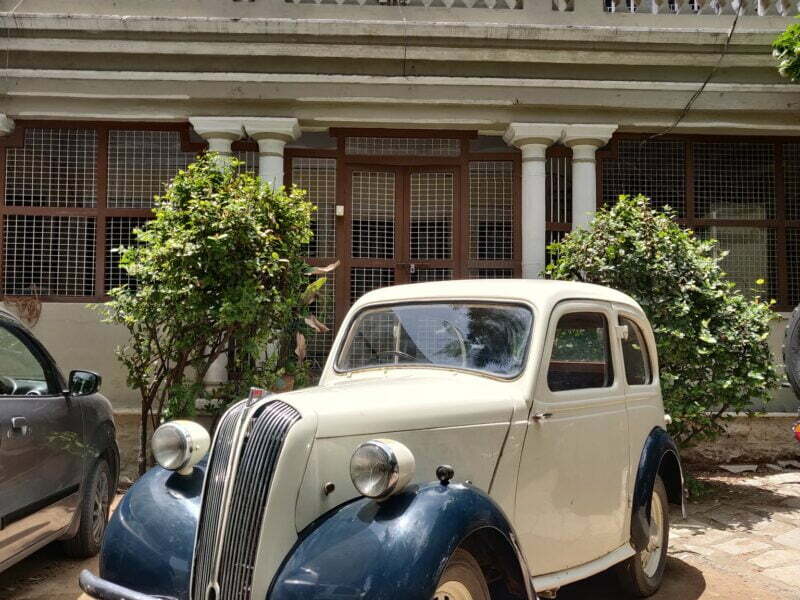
399	548
659	457
149	542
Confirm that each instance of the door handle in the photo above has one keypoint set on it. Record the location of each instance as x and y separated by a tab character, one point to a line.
541	417
19	424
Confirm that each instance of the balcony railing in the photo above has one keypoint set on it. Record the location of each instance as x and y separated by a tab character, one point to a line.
761	8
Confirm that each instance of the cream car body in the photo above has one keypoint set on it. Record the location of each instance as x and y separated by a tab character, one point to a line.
563	466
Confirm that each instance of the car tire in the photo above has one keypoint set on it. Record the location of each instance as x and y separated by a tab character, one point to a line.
95	502
462	579
641	574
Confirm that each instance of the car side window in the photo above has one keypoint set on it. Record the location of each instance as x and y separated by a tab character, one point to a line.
21	372
635	355
581	356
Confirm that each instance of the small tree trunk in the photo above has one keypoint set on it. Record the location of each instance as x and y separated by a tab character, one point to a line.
143	440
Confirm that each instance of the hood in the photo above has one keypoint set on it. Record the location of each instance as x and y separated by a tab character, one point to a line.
404	400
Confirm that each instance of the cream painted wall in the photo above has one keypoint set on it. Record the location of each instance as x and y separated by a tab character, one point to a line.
77	339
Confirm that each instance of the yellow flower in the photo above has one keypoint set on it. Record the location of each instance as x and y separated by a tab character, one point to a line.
760	282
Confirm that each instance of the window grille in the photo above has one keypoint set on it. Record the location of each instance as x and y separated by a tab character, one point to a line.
793	264
552	237
432	198
119	233
491	210
384	146
420	275
139	164
655	168
558	192
49	256
54	168
791	173
319	344
491	274
318	177
751	257
363	280
250	160
373	214
734	180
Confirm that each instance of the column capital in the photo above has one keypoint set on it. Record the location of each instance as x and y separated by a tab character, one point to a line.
226	128
588	135
6	124
273	128
536	134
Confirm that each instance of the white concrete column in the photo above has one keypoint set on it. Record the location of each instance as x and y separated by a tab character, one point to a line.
271	133
584	141
6	124
533	139
219	132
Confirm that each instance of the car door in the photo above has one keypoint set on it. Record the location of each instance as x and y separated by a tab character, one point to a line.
41	444
573	480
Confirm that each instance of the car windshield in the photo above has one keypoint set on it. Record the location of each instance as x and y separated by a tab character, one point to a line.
492	338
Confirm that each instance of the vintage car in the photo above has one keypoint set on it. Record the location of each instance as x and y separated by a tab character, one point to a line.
468	440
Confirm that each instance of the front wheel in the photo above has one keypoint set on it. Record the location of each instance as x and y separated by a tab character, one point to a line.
462	579
95	502
641	574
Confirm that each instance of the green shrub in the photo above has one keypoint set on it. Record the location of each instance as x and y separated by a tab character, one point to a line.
219	271
711	340
786	49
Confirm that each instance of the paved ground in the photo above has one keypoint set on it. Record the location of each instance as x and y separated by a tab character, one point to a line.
742	540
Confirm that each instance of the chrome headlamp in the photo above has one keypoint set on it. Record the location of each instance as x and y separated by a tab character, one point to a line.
381	468
179	445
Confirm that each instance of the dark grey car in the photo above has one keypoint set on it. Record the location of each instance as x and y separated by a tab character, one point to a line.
59	460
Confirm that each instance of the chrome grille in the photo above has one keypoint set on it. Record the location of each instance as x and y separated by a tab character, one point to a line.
236	540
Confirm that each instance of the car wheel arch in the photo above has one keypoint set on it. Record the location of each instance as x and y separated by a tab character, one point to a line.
660	457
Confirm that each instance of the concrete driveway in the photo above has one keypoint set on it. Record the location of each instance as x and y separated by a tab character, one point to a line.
742	540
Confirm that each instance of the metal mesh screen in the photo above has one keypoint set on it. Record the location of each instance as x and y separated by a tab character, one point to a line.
373	214
432	198
420	275
318	177
119	232
793	264
654	168
55	168
558	193
791	174
49	256
250	160
384	146
491	274
734	180
751	257
319	344
491	210
366	279
140	163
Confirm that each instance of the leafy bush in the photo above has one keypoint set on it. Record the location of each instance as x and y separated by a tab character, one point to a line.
711	340
786	48
219	271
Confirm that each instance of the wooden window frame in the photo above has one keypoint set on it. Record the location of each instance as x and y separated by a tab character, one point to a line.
779	224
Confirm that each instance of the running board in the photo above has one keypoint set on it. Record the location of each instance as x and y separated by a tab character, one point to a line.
553	581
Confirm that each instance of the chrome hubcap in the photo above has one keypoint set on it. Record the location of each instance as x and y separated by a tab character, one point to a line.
651	555
100	508
452	590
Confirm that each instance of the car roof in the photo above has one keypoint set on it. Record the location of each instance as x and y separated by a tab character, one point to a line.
542	293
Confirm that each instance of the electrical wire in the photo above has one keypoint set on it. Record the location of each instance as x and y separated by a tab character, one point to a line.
701	89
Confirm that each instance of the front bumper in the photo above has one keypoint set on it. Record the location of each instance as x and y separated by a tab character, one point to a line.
102	589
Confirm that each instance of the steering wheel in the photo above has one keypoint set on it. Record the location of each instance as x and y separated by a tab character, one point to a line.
9	383
398	353
461	341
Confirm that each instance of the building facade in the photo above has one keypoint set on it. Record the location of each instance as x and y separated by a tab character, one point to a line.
439	139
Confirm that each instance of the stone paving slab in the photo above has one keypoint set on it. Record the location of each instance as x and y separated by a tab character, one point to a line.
747	524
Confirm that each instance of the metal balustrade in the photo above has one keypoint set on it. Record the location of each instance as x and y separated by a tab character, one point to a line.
761	8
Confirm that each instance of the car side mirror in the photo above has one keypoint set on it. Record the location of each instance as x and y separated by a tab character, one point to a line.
84	383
